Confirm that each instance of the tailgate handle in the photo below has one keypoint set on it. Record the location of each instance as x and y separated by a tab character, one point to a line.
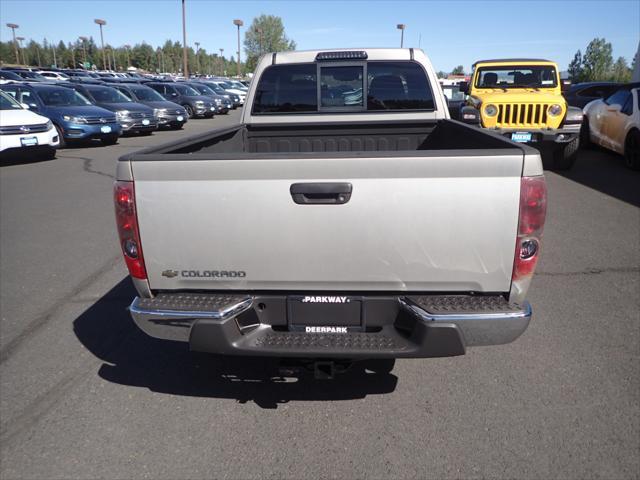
321	193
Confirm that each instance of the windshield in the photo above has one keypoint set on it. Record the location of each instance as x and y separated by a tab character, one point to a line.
217	88
54	75
147	95
508	76
35	75
79	75
238	85
8	103
108	95
204	90
9	75
62	97
185	90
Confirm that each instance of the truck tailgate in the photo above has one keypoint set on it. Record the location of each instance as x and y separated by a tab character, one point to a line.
428	221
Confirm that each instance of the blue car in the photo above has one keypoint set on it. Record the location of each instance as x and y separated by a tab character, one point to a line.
75	117
133	117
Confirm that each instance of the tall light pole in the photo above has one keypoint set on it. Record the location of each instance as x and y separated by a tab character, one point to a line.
13	27
221	62
55	61
73	56
185	66
113	55
259	32
238	23
126	49
101	22
84	49
19	39
401	27
197	44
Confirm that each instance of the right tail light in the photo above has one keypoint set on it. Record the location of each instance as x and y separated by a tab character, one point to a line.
533	210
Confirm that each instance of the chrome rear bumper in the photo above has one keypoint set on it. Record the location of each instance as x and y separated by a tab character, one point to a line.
416	326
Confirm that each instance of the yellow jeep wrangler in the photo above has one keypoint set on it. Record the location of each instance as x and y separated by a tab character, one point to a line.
522	100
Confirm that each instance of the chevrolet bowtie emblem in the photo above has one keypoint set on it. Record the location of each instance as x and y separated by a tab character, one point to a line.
170	273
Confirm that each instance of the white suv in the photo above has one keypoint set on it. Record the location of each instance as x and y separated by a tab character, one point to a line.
23	133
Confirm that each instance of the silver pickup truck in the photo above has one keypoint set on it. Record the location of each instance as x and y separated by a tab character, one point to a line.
345	217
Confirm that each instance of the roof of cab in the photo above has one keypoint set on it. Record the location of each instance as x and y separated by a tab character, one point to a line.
512	60
309	56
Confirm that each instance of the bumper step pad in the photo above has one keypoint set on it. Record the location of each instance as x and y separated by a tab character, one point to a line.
464	304
348	341
191	302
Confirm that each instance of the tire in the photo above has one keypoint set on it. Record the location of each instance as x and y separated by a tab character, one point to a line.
632	150
177	126
189	110
585	135
63	142
565	156
146	133
112	140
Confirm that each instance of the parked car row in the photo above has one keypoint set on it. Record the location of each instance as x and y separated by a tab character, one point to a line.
81	105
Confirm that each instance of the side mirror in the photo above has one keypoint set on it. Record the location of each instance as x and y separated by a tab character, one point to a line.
470	115
564	85
174	94
464	87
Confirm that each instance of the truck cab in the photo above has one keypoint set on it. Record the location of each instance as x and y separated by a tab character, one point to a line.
522	100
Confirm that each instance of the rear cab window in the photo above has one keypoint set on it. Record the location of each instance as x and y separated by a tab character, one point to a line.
343	87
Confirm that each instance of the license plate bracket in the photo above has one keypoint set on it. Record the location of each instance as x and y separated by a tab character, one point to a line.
29	141
304	311
522	137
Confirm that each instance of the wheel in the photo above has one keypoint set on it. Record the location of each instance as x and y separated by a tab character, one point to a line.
112	140
565	156
146	133
177	126
632	150
585	136
63	142
380	366
189	110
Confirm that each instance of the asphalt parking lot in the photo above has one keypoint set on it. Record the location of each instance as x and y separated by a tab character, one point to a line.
84	394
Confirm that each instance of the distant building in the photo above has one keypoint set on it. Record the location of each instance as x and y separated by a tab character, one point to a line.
454	79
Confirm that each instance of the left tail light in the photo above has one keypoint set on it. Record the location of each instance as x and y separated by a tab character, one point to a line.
128	231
